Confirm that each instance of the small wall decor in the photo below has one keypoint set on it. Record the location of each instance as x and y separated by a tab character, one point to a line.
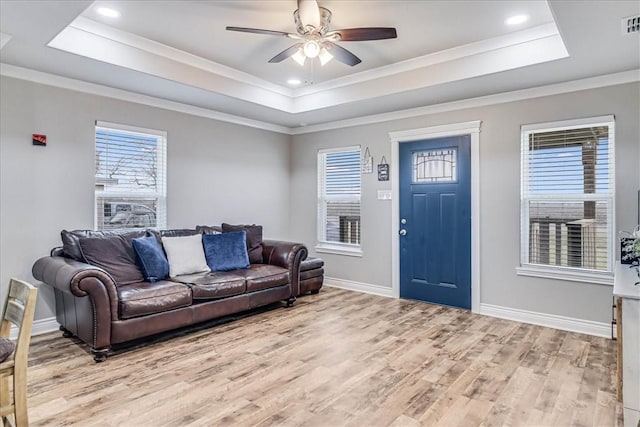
383	170
40	140
367	162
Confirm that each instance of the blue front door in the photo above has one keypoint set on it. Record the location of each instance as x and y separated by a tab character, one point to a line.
435	221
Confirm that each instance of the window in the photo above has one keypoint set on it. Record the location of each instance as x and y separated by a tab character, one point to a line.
339	201
567	199
130	186
435	166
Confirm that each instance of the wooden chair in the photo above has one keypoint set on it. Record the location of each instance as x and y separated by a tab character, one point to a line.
18	309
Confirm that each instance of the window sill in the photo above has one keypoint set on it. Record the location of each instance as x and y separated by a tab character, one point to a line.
573	275
339	250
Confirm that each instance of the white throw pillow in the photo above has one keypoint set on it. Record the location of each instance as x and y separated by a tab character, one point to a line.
185	255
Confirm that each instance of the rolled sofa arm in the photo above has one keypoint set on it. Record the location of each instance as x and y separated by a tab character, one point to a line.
80	280
287	255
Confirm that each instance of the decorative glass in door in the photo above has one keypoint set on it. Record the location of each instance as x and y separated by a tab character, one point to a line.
435	166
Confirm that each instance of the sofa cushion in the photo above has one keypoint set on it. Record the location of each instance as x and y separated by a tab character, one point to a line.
151	258
144	298
264	276
254	239
71	239
185	255
115	255
217	284
226	251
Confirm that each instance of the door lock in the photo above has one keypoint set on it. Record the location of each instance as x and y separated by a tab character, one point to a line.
403	232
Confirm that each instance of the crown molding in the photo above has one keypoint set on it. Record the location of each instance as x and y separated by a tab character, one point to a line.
107	32
499	98
20	73
97	41
123	95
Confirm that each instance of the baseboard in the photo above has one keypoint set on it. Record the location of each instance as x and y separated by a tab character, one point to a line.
598	329
564	323
570	324
358	286
40	326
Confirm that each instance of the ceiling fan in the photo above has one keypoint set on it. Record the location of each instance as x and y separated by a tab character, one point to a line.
315	39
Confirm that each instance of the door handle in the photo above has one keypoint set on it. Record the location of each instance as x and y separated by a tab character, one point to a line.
403	232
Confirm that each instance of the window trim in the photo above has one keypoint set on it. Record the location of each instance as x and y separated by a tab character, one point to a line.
323	246
161	166
562	272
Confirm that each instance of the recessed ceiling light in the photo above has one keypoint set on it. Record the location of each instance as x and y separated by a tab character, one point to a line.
516	19
294	82
108	12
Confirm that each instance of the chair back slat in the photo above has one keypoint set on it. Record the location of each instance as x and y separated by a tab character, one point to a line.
14	313
19	291
19	310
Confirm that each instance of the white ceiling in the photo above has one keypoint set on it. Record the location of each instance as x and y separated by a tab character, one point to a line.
445	51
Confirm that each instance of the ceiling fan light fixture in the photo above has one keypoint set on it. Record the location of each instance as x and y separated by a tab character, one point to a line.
324	56
299	57
311	49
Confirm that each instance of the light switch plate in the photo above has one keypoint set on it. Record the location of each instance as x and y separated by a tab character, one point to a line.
384	194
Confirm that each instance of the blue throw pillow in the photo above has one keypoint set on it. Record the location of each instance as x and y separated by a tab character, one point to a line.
226	251
150	255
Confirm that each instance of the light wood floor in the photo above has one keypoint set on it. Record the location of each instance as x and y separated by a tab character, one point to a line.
337	358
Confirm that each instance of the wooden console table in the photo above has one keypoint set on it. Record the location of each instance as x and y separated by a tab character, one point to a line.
628	334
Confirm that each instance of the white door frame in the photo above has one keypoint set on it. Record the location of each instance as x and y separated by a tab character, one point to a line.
396	138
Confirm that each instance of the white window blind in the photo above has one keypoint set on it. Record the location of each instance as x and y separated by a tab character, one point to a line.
567	195
339	198
130	180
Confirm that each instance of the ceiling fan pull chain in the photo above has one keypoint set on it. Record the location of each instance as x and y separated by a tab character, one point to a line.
308	78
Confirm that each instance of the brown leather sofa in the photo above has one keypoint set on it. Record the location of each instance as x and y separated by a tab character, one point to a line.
92	306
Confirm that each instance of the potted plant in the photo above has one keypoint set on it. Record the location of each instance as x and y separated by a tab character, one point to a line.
631	249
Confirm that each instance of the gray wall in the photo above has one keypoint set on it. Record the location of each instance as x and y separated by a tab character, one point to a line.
216	172
499	196
225	172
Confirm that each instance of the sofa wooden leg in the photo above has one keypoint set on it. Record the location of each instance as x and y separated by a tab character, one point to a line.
100	354
290	301
315	291
65	333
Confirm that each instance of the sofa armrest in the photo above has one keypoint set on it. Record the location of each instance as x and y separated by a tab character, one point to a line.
287	255
80	279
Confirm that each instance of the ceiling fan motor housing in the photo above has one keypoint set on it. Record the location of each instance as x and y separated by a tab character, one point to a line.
325	20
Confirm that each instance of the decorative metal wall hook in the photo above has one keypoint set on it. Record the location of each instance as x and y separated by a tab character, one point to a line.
367	162
383	170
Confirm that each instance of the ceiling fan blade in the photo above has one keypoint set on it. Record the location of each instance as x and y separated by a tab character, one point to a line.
341	54
309	13
258	31
366	33
286	53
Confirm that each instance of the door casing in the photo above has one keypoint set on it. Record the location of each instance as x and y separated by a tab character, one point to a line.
396	138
